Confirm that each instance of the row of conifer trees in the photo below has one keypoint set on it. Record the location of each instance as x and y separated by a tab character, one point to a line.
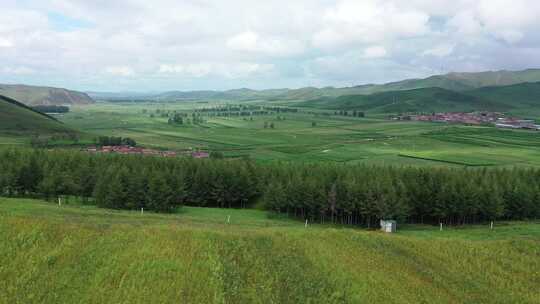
351	195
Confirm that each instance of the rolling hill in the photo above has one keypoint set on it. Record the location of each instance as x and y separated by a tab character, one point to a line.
19	119
521	95
497	78
494	98
460	82
33	95
416	100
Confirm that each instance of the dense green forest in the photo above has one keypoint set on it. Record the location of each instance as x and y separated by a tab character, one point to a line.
354	195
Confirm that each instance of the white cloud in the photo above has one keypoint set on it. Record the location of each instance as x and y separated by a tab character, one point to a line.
369	21
17	70
167	44
375	52
123	71
246	41
5	43
250	41
465	23
206	69
510	36
442	50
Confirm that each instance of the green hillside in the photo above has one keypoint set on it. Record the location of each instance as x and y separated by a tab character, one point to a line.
417	100
18	119
464	81
495	78
72	254
521	95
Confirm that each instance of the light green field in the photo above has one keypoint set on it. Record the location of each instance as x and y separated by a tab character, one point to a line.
373	140
77	254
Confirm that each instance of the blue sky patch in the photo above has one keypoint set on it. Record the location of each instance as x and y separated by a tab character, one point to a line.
64	23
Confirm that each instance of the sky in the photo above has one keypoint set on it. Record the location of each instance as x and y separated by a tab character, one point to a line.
160	45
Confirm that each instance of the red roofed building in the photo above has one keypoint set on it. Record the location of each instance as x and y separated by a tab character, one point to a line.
200	155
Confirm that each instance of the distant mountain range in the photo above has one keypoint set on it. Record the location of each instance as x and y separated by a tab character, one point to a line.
34	95
498	91
458	82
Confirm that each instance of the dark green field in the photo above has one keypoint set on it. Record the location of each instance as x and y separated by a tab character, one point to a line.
373	140
78	254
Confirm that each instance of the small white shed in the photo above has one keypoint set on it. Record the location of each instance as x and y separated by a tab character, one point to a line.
389	226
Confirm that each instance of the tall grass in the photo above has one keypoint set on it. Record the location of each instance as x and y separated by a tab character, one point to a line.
66	254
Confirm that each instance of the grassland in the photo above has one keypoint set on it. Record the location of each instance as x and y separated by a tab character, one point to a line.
80	254
372	140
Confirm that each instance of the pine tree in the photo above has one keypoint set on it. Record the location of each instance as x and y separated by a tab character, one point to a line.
159	193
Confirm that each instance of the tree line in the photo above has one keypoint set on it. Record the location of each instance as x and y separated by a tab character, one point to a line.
115	141
350	195
51	109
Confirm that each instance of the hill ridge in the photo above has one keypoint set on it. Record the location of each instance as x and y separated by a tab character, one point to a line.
42	95
455	81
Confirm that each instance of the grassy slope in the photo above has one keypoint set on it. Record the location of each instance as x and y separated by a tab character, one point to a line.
518	98
18	119
68	254
417	100
523	95
496	78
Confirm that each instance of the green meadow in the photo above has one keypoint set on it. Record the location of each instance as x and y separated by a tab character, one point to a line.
81	254
312	135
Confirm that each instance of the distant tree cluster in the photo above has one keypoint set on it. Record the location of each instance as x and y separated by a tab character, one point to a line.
177	118
47	141
350	195
354	113
115	141
281	109
51	109
230	108
231	111
269	125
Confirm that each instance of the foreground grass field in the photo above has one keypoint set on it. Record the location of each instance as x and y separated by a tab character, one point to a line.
310	137
80	254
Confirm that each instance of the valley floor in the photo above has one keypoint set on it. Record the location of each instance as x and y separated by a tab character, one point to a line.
311	136
81	254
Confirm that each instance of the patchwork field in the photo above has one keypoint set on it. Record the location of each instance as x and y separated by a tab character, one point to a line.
312	136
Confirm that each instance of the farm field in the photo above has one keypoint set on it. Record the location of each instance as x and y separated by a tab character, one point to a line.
83	254
312	136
